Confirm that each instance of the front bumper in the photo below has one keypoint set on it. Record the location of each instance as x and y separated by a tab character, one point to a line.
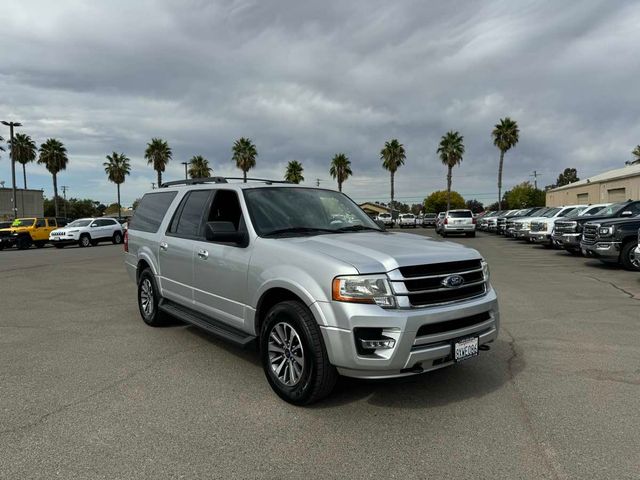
543	238
524	233
607	251
412	354
569	241
7	241
63	239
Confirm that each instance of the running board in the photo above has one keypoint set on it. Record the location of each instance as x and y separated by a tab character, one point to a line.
210	325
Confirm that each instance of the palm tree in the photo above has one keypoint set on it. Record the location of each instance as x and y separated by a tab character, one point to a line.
294	172
392	156
199	167
340	169
450	150
636	153
53	155
117	167
158	154
505	136
244	154
23	151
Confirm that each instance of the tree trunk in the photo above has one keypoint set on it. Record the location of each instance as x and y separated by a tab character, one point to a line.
159	178
119	207
24	175
339	185
449	188
55	194
244	176
500	180
392	174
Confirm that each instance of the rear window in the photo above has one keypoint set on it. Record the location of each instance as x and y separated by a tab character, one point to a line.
465	214
151	210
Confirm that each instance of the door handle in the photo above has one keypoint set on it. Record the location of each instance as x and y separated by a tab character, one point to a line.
164	246
203	254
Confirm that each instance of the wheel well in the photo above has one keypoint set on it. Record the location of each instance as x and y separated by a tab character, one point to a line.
269	299
142	265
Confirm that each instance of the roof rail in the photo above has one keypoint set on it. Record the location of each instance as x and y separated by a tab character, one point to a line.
198	181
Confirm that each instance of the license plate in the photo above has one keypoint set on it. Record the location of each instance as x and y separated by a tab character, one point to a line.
465	348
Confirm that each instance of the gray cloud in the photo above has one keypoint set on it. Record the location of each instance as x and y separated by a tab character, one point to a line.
306	80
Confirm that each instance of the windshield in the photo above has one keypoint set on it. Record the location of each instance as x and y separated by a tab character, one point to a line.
611	209
304	211
593	210
23	222
408	215
551	212
429	215
80	223
576	212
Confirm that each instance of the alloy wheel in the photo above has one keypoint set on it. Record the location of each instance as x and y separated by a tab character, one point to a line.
146	297
634	260
286	354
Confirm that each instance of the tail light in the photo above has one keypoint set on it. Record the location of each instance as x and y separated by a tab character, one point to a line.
126	241
473	220
446	220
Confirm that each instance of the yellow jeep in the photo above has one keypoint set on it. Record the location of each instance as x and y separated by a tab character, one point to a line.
25	232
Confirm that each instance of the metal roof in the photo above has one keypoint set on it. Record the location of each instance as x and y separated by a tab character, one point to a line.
624	172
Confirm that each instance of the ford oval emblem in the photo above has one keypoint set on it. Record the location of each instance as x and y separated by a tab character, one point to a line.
452	281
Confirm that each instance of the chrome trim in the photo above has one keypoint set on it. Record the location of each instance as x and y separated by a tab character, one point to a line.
444	289
396	275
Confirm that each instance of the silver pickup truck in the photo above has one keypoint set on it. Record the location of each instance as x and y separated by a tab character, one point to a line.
306	275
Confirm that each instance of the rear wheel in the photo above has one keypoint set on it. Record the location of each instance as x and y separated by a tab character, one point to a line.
148	300
293	355
628	258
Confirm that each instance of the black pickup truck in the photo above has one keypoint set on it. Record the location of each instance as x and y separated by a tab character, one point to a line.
612	241
568	233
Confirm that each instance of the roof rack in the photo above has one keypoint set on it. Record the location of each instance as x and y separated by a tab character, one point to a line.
199	181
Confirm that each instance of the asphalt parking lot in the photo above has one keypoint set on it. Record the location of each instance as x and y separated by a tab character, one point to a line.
88	391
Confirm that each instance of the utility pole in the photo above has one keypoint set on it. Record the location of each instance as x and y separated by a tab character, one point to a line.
185	169
13	166
153	185
64	194
535	176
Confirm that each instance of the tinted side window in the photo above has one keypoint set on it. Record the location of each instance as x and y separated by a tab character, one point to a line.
52	222
40	223
151	210
190	220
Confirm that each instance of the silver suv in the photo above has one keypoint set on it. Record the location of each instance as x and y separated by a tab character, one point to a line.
308	276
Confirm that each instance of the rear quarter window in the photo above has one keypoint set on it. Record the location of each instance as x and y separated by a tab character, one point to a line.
151	210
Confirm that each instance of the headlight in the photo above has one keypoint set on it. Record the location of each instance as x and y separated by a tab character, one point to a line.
605	231
363	289
73	231
526	225
485	271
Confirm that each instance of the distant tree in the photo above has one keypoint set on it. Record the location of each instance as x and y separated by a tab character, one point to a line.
158	153
524	195
101	208
24	151
493	207
340	168
117	167
199	167
569	175
505	136
393	156
416	208
636	153
53	155
244	154
76	208
475	206
400	207
112	209
437	201
450	150
294	172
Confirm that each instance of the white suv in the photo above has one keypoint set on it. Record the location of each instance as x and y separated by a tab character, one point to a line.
458	221
87	231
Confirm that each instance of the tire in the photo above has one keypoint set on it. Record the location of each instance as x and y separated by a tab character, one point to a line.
39	244
117	238
627	259
304	374
85	241
148	300
473	234
574	251
59	246
22	243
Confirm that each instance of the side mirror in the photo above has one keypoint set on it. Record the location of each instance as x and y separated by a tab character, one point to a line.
380	223
626	213
223	232
94	225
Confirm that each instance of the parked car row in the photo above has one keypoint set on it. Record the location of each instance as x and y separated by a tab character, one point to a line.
25	232
607	231
407	220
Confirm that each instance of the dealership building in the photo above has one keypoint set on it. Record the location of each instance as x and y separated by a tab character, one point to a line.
613	186
30	203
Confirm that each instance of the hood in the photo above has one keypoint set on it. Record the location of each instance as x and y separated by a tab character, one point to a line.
617	221
373	252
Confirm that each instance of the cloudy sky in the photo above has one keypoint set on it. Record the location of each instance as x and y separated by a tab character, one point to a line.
306	80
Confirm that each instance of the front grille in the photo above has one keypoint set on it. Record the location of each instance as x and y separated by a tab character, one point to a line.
518	226
565	227
423	284
590	233
538	226
457	324
5	233
510	224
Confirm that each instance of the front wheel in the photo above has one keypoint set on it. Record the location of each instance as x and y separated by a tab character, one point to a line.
628	258
293	355
85	241
22	243
117	238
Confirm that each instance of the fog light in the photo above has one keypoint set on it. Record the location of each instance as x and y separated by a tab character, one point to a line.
381	343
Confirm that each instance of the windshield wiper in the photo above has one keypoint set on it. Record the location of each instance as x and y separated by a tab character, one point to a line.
357	228
294	230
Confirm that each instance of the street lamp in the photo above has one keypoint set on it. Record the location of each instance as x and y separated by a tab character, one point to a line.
13	165
185	169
